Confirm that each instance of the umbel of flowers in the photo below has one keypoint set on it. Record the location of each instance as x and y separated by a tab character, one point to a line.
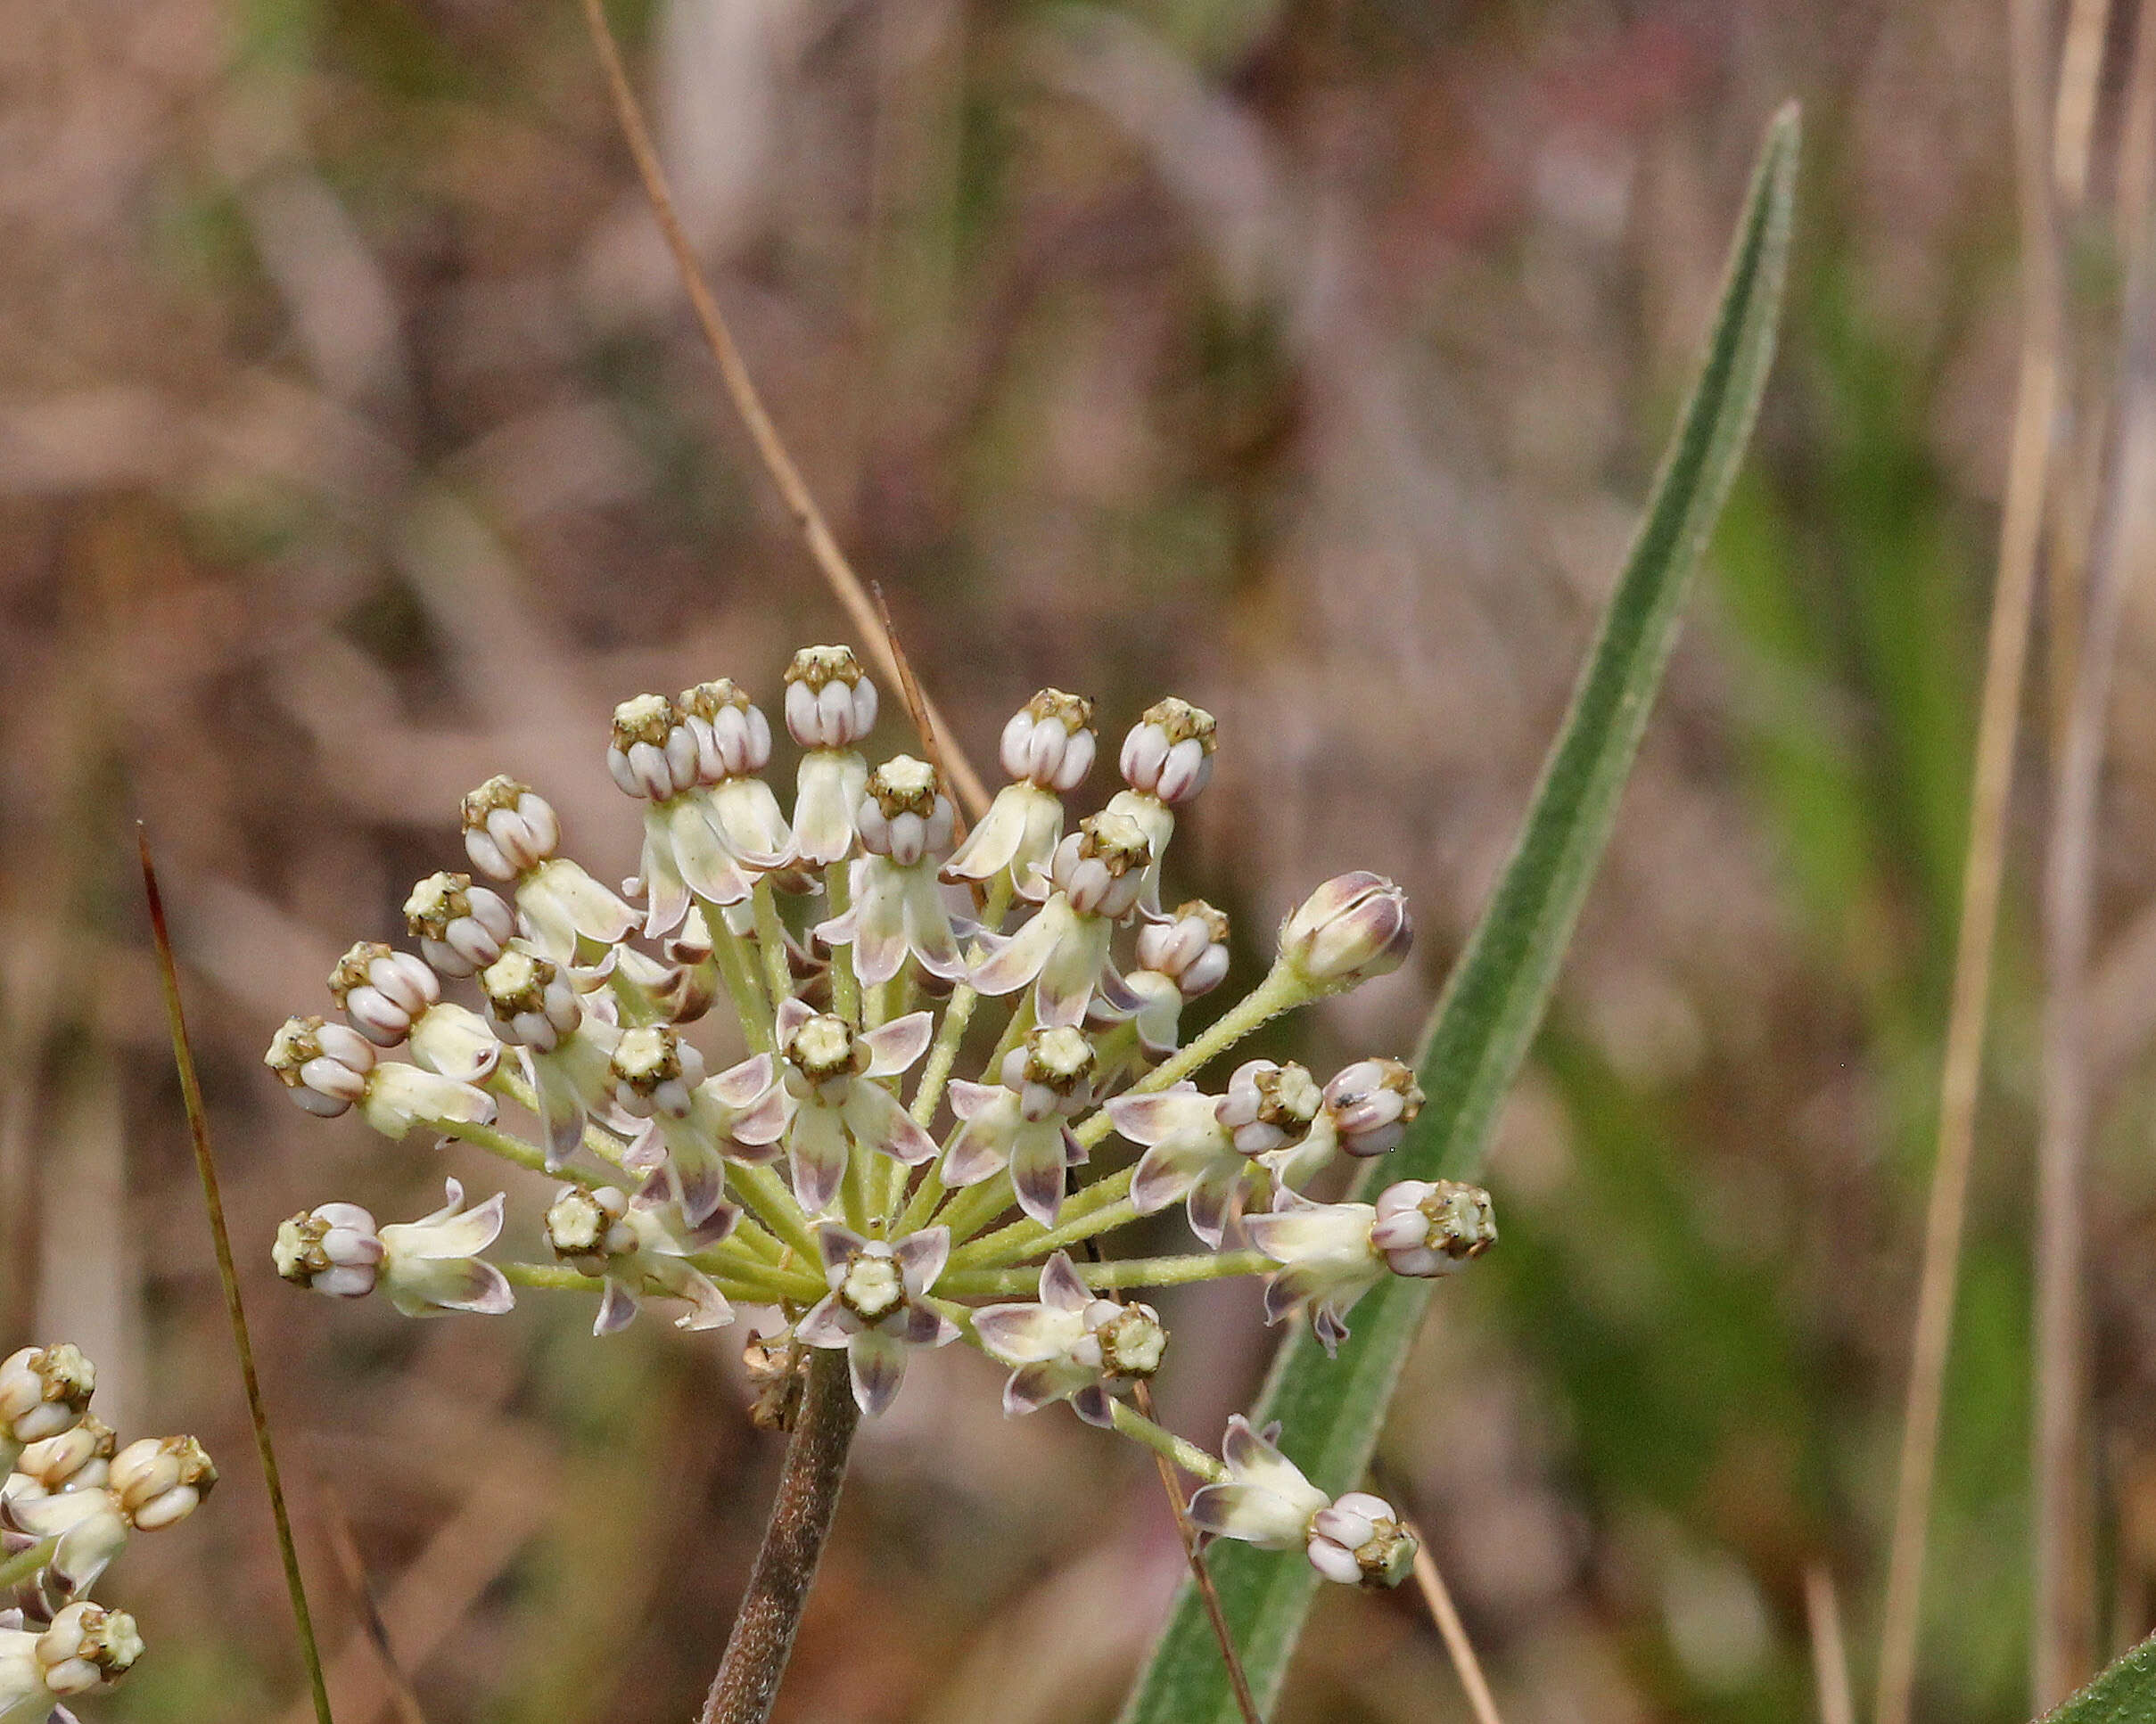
838	1170
70	1497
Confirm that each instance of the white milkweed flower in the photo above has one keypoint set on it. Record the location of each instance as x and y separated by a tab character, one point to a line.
433	1265
842	1172
1354	927
332	1249
1204	1150
151	1484
1072	1345
461	928
878	1305
830	707
328	1067
607	1234
904	822
511	833
84	1648
1023	1122
533	1002
830	1068
1268	1502
392	997
159	1482
694	1121
43	1391
1368	1108
1179	957
1064	948
1047	749
1431	1228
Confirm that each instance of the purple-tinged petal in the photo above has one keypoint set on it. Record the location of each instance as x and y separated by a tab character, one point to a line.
617	1310
1095	1406
895	1046
837	1245
792	1015
707	1306
921	1257
877	1363
876	1119
1022	1334
763	1124
1013	962
1032	1387
1062	1287
1037	1171
816	1149
827	1324
967	1099
741	1085
1148	1119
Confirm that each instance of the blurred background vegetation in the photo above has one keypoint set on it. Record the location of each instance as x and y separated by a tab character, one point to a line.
1306	357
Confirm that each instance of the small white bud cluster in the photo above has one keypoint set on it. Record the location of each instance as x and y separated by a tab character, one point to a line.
69	1499
509	829
1267	1106
325	1065
1190	947
1352	928
905	815
1169	753
733	736
530	1002
654	753
382	991
1358	1541
461	928
655	1071
331	1249
830	703
1100	867
1427	1227
1371	1104
1050	742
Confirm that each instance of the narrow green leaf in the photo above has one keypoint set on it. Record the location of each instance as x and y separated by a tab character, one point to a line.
1332	1408
2125	1693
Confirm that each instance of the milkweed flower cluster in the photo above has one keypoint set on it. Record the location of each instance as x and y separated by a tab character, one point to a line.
837	1169
70	1497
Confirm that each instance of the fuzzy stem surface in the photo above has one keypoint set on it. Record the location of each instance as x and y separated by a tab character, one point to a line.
756	1651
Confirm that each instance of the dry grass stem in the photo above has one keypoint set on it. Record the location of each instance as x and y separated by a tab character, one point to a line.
1998	729
917	702
1200	1575
800	502
205	1164
337	1525
1438	1598
1830	1652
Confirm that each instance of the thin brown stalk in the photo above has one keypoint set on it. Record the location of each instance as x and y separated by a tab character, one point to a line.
800	503
809	1482
2064	1648
1830	1652
205	1167
1438	1599
338	1524
917	702
1200	1575
1998	727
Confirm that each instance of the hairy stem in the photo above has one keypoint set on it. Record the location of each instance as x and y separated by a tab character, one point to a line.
26	1565
1186	1455
756	1651
846	985
1129	1275
1110	1208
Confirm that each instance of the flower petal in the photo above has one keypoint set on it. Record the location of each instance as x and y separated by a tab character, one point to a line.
877	1364
875	1118
827	1324
921	1257
894	1046
1024	1334
816	1149
1062	1287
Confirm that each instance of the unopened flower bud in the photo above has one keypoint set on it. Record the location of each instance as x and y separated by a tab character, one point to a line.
653	753
1268	1105
1190	947
325	1065
532	1001
733	736
73	1460
382	991
461	928
43	1391
1372	1103
87	1648
830	702
1101	867
903	814
1050	743
1358	1541
509	828
1168	751
158	1481
1428	1227
332	1249
1354	927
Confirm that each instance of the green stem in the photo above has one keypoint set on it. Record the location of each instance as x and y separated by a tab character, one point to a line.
926	1196
559	1277
25	1566
771	936
846	985
602	1144
957	1017
775	1206
1189	1456
512	1148
737	970
974	1207
1281	990
1095	1210
1130	1274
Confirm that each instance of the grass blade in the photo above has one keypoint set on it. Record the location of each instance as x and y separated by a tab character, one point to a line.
205	1165
2125	1693
1494	1001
